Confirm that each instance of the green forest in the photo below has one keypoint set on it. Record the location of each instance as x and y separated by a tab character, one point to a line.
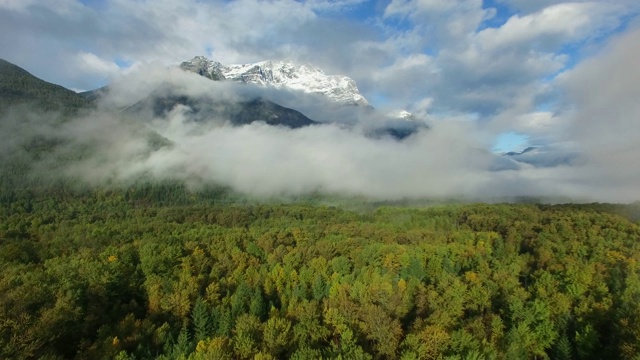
158	272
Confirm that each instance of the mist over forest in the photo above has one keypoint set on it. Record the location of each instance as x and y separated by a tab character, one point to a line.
371	180
123	137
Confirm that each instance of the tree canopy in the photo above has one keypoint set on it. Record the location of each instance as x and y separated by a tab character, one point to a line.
149	273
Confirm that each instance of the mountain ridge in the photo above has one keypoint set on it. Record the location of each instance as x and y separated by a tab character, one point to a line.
281	74
46	96
203	109
20	87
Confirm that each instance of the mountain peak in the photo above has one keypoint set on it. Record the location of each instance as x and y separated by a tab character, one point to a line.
281	74
204	67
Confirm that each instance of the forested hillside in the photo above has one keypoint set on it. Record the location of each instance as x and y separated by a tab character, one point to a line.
18	87
141	274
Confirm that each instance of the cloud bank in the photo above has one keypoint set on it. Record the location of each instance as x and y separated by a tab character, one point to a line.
561	73
447	161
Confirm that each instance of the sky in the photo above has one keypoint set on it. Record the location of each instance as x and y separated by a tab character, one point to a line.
561	75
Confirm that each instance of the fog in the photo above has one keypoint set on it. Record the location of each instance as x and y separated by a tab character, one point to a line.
447	160
333	157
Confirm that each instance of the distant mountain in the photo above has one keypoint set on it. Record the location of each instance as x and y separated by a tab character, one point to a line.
513	153
205	109
19	87
281	74
269	112
545	156
39	147
309	79
33	115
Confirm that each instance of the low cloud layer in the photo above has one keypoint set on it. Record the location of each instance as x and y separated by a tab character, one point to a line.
588	125
447	161
335	157
604	121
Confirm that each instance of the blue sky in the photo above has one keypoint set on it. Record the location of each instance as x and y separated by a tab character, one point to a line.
496	62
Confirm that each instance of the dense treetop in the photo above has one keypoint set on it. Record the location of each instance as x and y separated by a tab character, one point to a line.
163	273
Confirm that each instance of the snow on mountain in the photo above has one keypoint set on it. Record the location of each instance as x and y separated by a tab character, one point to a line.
281	74
401	115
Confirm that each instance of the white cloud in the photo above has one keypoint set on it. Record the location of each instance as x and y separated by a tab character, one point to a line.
604	92
603	123
440	22
528	6
594	159
539	125
432	56
333	5
92	64
415	49
405	77
551	27
505	69
19	5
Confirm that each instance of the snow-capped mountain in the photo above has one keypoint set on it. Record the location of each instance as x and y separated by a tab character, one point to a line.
281	74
